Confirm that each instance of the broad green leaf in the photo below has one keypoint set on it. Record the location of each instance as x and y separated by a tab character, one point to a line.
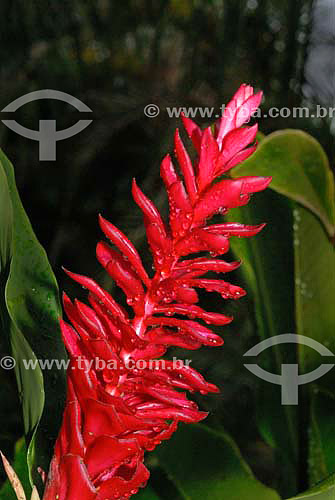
322	491
30	382
6	221
300	170
6	224
321	461
314	287
31	316
20	467
315	318
207	465
267	264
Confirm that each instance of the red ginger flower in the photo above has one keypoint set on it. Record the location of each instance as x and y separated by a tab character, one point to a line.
114	414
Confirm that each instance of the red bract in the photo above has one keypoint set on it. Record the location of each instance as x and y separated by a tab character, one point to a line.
119	409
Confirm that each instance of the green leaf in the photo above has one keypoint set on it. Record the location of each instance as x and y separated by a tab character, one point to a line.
6	221
207	465
267	264
314	288
322	491
21	469
321	462
315	318
30	319
300	170
6	225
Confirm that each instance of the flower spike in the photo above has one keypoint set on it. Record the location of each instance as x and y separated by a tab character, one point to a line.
121	404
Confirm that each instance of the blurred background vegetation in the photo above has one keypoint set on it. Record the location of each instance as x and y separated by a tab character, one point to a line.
117	57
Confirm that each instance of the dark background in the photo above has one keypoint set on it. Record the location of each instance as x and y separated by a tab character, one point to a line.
117	57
